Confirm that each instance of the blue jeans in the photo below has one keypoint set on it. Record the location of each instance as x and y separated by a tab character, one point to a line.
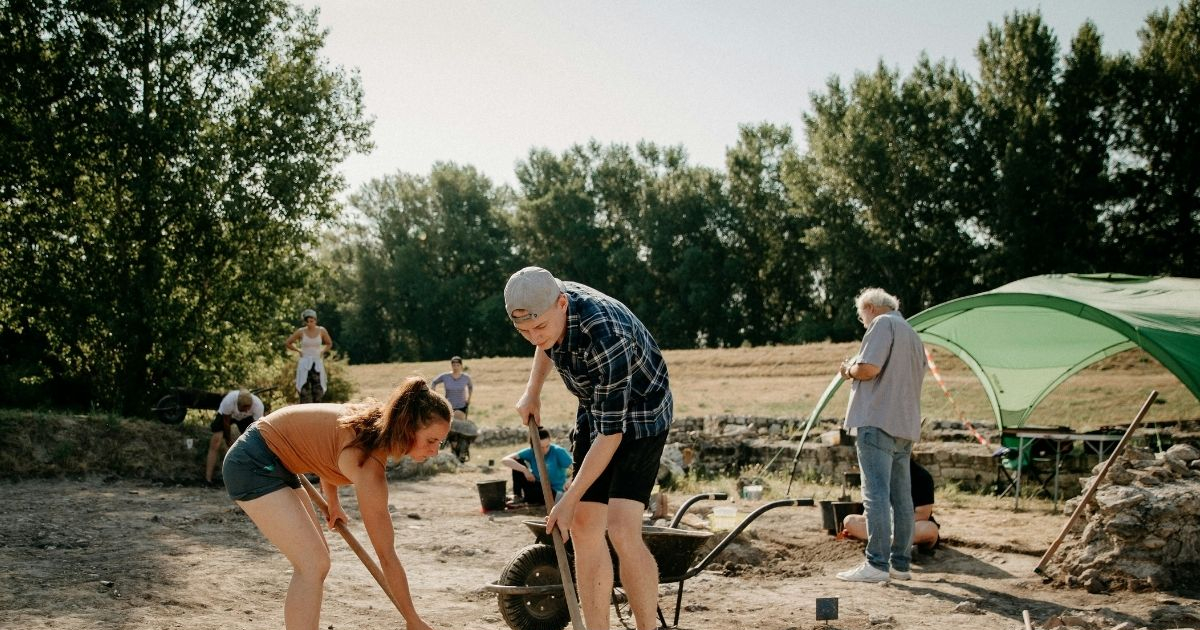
887	497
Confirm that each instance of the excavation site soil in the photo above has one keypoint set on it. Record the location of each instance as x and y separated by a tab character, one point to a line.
96	553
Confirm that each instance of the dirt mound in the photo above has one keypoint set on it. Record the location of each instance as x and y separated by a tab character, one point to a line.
1142	532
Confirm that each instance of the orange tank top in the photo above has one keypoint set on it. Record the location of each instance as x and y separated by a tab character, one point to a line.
308	439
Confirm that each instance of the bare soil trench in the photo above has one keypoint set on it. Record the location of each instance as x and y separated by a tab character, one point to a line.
113	553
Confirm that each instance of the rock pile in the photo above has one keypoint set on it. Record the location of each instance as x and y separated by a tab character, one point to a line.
1142	530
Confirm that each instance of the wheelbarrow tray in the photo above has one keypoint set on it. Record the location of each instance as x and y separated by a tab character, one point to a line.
673	549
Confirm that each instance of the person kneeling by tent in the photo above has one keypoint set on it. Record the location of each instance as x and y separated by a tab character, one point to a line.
926	531
527	486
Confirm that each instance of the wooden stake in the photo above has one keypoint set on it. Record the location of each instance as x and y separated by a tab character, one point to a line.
1091	489
560	550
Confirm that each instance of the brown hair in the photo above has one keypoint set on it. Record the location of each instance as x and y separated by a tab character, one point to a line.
412	407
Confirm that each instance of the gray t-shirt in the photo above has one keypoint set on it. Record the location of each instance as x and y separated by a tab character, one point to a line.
457	389
891	400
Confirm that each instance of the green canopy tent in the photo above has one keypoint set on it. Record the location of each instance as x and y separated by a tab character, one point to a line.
1025	338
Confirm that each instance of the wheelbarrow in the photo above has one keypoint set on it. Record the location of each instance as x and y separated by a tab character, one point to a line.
462	433
173	408
530	592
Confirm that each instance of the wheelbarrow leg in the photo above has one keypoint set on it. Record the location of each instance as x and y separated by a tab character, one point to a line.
678	604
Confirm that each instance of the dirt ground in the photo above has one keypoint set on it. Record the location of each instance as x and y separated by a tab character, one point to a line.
78	555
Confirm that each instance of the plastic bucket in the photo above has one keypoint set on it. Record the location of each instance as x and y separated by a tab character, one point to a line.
492	494
722	518
842	509
752	493
827	521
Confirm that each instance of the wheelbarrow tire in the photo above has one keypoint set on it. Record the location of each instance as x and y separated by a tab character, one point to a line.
170	409
535	565
462	449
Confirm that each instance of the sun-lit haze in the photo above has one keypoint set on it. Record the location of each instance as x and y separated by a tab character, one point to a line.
481	83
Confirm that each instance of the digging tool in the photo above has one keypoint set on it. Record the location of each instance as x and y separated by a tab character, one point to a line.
1028	621
1091	489
359	551
560	550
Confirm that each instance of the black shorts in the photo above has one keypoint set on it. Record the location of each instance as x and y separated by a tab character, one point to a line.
631	473
463	408
251	470
217	426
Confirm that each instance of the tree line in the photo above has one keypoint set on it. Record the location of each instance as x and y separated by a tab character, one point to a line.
169	188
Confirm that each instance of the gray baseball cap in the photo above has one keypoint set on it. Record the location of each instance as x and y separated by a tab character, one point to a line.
533	290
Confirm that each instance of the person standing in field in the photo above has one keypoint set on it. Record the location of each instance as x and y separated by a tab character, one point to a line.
457	385
885	409
610	362
311	378
343	445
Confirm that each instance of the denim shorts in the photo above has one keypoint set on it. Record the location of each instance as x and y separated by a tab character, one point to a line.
251	470
631	473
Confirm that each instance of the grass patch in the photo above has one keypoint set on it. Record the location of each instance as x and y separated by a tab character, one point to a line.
39	444
785	381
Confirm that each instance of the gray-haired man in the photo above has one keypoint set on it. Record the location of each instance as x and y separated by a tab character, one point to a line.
885	408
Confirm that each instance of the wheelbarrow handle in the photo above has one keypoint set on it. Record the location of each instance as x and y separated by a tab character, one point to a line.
716	551
709	496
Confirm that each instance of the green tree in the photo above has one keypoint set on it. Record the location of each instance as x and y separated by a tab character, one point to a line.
1158	230
773	277
562	222
688	272
1085	129
887	192
166	165
430	270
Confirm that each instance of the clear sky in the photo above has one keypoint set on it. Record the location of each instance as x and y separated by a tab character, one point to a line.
481	83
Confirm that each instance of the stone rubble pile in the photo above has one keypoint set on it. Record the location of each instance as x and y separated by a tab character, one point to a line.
1142	530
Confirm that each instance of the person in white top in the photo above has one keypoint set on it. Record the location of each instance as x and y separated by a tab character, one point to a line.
238	407
311	379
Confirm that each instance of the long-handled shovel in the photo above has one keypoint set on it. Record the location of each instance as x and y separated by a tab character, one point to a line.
564	565
341	528
1091	489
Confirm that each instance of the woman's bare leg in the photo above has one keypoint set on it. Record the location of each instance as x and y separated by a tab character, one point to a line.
285	517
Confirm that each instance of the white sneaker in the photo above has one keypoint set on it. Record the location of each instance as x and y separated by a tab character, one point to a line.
863	573
900	575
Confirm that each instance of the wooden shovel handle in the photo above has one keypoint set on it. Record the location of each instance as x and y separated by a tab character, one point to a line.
560	550
359	551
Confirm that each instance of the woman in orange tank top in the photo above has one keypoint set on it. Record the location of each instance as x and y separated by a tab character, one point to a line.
344	446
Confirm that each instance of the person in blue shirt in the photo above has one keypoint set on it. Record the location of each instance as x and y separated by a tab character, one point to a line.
527	486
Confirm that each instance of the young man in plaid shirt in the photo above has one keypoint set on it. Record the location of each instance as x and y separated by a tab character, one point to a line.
608	359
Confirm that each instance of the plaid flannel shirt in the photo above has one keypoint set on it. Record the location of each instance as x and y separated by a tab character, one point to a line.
611	363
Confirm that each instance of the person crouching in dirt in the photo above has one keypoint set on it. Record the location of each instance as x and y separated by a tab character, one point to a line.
527	487
344	445
238	407
926	531
610	362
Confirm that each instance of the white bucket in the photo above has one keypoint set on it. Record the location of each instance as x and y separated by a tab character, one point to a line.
752	493
722	518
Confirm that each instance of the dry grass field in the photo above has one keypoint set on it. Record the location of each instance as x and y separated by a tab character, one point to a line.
785	381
